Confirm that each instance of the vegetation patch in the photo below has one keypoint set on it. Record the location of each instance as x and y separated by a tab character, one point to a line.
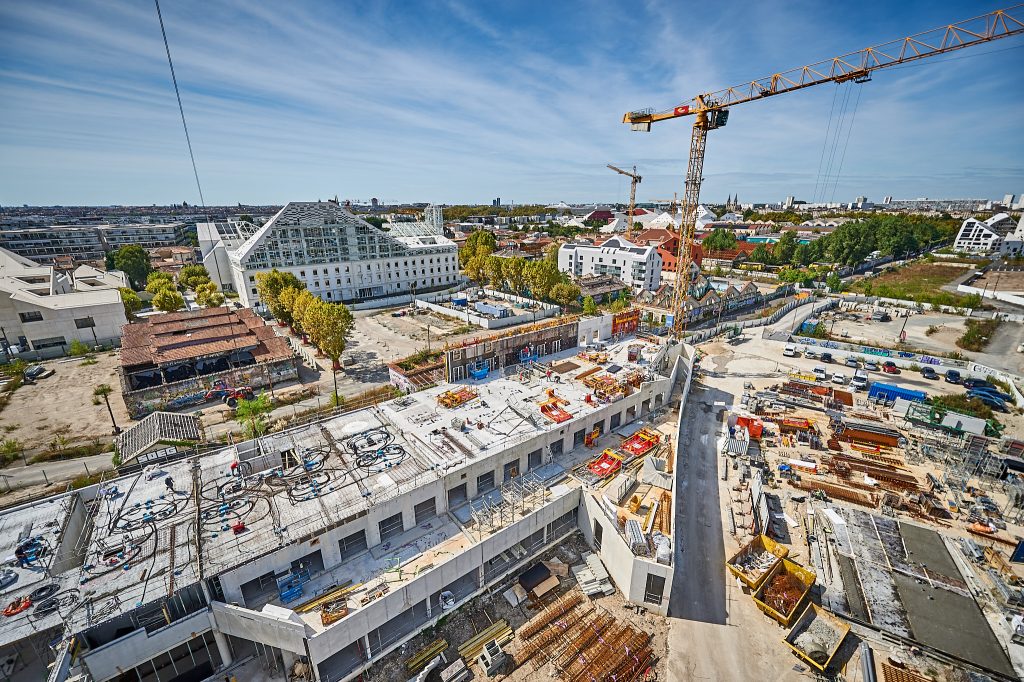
978	334
964	405
419	359
59	448
921	282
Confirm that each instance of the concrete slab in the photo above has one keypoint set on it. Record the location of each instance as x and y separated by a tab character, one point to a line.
951	622
924	546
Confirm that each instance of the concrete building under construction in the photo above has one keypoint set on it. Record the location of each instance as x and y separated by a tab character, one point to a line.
326	546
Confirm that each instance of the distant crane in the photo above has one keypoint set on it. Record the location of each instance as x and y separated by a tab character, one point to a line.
711	109
634	181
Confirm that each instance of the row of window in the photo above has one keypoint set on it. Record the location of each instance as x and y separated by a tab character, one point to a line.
37	316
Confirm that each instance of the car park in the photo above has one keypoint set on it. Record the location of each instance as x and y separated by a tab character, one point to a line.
839	378
851	361
871	365
952	376
889	367
929	373
826	357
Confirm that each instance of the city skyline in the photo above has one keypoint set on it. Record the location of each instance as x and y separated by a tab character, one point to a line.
457	104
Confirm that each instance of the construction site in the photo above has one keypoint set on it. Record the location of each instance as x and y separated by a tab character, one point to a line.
316	552
872	513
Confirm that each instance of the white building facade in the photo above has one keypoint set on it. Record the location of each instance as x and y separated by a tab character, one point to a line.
43	310
977	236
338	256
637	266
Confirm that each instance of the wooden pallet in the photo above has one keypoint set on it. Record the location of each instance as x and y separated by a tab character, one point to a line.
893	674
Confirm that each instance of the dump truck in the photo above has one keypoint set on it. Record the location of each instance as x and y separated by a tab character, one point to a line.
817	636
756	560
784	591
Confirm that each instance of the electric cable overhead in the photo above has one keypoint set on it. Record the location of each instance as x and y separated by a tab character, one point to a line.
181	109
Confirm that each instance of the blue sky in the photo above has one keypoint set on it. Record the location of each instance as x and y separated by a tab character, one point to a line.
458	102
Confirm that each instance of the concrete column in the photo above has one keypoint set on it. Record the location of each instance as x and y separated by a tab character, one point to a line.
428	606
366	646
222	646
289	660
480	576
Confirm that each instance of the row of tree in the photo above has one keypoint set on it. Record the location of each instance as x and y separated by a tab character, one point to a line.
541	279
327	325
851	243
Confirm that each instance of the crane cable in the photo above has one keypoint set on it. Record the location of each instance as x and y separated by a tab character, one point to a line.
824	145
846	144
836	132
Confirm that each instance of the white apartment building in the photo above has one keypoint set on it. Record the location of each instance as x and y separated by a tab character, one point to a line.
977	236
337	255
42	309
637	266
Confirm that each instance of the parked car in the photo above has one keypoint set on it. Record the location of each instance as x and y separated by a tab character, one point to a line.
952	376
990	400
859	382
811	353
820	374
789	351
398	313
889	367
851	361
976	383
993	392
826	357
929	373
839	378
871	365
35	372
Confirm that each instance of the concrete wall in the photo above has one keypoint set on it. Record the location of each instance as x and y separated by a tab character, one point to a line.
108	318
275	629
126	652
75	534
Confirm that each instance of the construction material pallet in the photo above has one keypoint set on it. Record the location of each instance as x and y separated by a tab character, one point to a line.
419	660
330	595
500	631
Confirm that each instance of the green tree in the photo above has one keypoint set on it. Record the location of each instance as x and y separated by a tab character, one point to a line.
286	301
540	277
208	296
476	268
133	261
494	268
131	302
761	254
834	283
103	392
565	294
479	244
589	306
10	449
514	274
192	276
108	261
252	414
551	253
785	247
168	300
157	281
804	255
720	239
302	301
329	326
269	286
245	218
618	305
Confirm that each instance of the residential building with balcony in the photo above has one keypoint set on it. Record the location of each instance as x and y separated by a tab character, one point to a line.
639	267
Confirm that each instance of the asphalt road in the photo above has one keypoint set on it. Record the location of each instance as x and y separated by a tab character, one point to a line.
698	586
16	475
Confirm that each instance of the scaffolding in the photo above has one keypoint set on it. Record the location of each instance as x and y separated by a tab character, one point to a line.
517	498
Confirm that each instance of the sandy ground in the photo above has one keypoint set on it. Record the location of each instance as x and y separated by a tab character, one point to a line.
63	403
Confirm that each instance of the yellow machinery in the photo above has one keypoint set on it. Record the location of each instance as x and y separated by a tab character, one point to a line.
711	110
634	180
455	398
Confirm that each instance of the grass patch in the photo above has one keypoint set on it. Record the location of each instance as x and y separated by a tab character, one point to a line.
419	359
88	361
1004	386
57	452
464	329
84	481
978	334
920	282
964	405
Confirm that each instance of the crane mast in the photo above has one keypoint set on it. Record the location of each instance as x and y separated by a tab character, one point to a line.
634	180
710	110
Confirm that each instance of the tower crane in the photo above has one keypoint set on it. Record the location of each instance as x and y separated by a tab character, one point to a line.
711	109
634	180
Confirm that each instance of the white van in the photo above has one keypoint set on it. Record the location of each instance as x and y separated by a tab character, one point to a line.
838	378
859	382
789	351
820	374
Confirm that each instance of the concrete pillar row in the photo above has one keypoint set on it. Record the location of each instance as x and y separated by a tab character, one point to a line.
222	646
